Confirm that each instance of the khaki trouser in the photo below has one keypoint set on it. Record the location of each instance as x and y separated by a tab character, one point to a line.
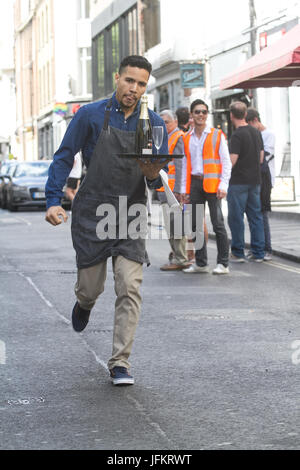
128	276
178	245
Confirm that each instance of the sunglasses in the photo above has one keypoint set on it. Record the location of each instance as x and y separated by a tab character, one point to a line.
201	111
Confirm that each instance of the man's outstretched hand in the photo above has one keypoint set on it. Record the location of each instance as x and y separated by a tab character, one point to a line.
151	169
55	214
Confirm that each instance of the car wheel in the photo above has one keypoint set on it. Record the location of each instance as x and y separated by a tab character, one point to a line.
11	207
4	201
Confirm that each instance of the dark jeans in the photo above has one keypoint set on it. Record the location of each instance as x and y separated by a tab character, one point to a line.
245	198
268	245
199	196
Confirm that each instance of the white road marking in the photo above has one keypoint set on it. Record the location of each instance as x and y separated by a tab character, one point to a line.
13	220
6	220
154	425
136	403
100	361
285	267
23	220
2	353
47	302
296	354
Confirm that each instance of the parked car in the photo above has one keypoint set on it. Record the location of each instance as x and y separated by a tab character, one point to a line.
6	170
26	187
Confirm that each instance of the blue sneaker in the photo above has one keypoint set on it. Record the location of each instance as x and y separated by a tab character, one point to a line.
120	376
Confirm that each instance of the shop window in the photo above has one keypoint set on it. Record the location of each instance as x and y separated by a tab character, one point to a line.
164	99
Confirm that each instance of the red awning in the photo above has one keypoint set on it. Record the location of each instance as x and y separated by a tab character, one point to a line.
275	66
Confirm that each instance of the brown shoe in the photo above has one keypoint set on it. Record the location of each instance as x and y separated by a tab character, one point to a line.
174	267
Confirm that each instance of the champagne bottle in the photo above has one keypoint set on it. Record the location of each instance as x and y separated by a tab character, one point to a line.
143	136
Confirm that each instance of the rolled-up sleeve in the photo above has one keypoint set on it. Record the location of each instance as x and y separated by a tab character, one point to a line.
226	165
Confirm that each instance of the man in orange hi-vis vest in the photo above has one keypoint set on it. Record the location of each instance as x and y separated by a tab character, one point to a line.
208	171
179	259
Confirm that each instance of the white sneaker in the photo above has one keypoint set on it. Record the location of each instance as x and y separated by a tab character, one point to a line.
268	256
196	269
220	269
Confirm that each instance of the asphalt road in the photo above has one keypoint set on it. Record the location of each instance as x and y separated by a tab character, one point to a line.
216	359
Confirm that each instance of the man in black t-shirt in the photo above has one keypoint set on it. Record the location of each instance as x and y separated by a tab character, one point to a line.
246	153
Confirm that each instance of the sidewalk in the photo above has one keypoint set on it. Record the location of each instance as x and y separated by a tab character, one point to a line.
284	224
285	230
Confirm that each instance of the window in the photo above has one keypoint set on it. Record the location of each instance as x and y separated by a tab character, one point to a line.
164	99
46	25
84	9
115	52
43	30
151	22
40	90
132	30
109	48
100	68
34	170
85	78
48	83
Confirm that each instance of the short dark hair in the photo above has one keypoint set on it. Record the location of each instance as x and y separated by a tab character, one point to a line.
135	61
252	114
238	109
196	103
183	115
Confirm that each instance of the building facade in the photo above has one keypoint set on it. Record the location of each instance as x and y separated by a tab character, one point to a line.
124	27
53	71
7	84
67	54
277	106
157	29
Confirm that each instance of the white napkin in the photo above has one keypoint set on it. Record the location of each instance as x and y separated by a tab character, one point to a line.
171	199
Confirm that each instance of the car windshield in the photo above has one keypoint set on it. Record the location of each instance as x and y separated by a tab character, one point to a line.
35	169
7	168
4	168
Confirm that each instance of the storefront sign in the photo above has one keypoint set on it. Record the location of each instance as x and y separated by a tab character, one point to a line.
192	75
284	189
60	109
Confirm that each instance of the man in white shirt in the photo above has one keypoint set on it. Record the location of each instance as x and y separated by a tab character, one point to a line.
267	173
208	170
73	180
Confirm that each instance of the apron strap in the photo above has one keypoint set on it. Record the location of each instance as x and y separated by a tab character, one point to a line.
107	114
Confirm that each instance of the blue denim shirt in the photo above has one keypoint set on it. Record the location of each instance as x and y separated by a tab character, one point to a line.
83	133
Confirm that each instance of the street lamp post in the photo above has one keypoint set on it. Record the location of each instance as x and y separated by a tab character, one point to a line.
253	38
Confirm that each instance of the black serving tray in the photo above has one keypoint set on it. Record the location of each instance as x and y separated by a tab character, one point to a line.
154	156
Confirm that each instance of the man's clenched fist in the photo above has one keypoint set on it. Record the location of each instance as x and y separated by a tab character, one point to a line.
54	214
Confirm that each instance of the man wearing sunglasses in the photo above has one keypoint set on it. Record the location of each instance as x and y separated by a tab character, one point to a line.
208	170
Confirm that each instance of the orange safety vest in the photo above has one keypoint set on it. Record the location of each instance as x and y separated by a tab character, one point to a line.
172	142
212	167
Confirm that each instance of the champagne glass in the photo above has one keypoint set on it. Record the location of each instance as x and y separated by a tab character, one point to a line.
158	135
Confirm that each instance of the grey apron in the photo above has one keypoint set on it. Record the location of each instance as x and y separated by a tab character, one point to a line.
109	177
